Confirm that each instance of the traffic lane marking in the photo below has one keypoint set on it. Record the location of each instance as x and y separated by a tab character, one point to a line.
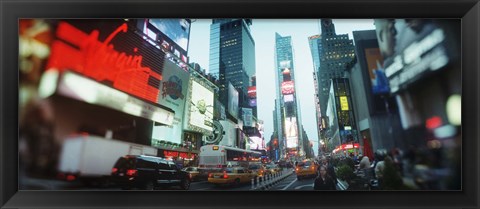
299	187
294	180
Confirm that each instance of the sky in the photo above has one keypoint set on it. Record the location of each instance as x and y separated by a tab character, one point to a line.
263	33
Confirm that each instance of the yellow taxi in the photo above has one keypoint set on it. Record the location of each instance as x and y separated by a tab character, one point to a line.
273	168
232	175
258	169
306	168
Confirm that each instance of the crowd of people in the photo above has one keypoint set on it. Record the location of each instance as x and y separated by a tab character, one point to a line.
415	168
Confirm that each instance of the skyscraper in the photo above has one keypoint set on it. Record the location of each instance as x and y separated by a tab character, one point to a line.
334	52
232	56
286	105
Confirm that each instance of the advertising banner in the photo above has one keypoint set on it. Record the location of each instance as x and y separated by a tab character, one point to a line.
255	143
344	103
288	98
108	51
377	74
171	34
247	116
230	133
252	92
291	132
252	102
81	88
176	29
219	113
413	49
200	107
232	101
173	94
288	87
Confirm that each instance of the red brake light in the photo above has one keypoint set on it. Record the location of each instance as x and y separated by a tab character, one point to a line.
225	176
131	172
114	170
70	177
210	175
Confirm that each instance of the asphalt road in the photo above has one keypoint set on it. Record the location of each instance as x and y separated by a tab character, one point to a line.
291	183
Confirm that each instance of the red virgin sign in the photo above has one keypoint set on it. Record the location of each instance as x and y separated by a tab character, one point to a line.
117	60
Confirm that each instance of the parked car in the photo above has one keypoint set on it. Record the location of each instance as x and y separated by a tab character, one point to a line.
148	172
232	175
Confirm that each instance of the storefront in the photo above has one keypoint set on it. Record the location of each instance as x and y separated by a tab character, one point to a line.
347	150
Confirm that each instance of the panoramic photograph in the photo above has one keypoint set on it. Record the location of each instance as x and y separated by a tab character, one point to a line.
240	104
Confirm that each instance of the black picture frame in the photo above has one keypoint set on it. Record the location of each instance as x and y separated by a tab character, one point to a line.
12	10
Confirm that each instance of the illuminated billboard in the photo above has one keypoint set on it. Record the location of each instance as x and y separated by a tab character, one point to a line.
377	74
252	102
252	92
291	132
229	133
200	107
173	94
288	87
178	30
288	98
110	52
171	34
247	117
344	103
255	143
232	100
423	48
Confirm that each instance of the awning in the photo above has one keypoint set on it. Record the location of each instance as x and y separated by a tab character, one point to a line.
81	88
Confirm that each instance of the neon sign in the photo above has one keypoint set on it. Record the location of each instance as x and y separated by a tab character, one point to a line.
124	70
287	87
252	92
183	155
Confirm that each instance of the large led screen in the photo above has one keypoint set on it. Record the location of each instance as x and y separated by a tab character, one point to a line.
291	132
201	107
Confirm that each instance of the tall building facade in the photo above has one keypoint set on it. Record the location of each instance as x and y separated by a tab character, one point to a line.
315	43
232	57
334	52
287	106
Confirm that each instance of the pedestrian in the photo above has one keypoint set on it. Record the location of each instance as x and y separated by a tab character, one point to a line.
324	181
330	169
392	180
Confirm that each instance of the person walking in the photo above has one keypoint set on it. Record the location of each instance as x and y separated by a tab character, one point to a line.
330	169
324	181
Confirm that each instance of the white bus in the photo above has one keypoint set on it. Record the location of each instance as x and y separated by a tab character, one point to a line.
214	157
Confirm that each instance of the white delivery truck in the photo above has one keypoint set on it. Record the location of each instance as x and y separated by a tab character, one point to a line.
91	158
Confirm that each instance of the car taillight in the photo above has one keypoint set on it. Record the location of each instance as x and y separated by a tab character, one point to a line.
210	175
114	170
131	172
70	177
225	176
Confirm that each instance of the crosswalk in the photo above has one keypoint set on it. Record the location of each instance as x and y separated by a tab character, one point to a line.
291	183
